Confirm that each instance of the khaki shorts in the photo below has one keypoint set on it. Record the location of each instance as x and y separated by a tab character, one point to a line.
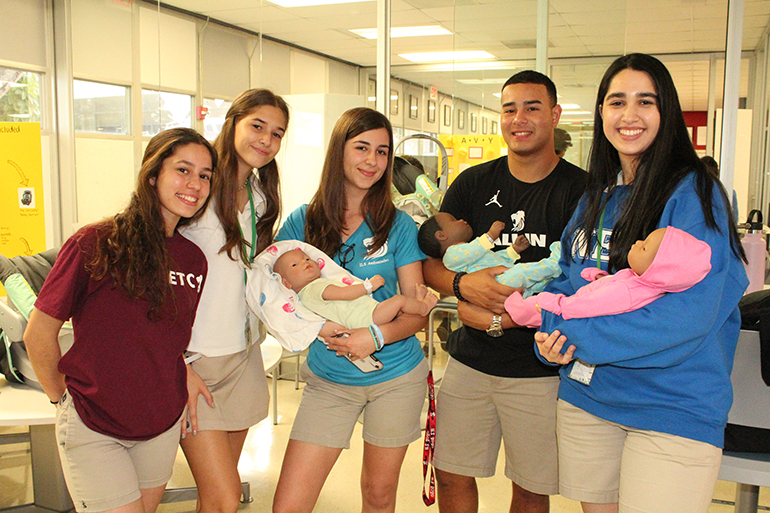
103	472
659	472
475	411
329	411
238	384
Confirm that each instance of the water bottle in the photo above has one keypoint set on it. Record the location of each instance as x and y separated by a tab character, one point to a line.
754	245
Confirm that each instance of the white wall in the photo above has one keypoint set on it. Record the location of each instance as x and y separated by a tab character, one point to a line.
304	149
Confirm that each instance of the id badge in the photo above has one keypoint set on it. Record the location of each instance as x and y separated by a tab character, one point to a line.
582	372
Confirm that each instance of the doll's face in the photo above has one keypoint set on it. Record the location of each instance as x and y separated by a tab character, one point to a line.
643	252
297	269
454	231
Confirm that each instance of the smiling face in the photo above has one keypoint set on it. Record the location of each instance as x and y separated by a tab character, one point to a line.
183	183
258	137
630	117
366	159
297	269
527	119
643	252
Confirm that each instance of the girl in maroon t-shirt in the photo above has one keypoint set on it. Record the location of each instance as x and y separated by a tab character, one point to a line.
131	285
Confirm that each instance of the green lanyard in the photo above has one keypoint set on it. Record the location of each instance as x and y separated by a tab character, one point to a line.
599	239
253	251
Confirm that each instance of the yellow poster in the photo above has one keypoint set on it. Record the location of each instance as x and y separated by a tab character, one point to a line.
22	218
465	151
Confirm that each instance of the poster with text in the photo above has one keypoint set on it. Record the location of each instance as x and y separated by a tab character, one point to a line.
22	218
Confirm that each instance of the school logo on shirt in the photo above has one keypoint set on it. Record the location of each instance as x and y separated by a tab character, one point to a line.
581	249
186	280
517	219
368	243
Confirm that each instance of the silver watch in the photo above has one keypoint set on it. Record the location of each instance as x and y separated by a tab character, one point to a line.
496	327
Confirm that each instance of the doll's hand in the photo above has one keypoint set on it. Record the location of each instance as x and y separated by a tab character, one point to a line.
377	282
550	347
520	244
496	229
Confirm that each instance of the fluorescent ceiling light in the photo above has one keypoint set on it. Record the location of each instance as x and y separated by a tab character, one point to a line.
498	95
574	112
447	56
481	81
306	3
427	30
570	106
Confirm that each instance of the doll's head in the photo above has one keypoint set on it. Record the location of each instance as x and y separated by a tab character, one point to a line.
296	269
643	252
441	231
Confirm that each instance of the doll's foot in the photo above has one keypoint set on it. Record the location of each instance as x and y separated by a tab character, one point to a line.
427	298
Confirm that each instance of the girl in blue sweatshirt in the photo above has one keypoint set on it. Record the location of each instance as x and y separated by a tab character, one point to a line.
644	395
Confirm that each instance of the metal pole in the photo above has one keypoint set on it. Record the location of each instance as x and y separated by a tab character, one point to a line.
732	90
383	57
541	59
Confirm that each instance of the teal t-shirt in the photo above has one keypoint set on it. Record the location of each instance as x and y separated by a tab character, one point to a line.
399	250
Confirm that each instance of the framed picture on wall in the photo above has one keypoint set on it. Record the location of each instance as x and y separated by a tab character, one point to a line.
431	111
473	123
494	127
484	125
413	113
393	102
447	115
460	119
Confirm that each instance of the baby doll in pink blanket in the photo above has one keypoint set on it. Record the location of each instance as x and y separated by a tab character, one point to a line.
668	260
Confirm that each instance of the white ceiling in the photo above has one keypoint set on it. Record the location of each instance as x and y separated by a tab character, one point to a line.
584	36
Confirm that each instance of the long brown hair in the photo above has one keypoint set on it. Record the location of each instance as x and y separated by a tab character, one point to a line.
225	185
131	246
325	216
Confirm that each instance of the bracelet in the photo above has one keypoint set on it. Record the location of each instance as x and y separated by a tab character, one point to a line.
368	286
54	402
378	332
193	356
456	286
374	337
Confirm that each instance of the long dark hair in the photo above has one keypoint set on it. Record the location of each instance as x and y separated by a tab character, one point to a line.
225	185
661	167
325	216
132	244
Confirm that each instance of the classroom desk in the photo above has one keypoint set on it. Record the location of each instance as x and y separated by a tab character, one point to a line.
21	405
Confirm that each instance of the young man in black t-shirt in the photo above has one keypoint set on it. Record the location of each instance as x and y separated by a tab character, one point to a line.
494	387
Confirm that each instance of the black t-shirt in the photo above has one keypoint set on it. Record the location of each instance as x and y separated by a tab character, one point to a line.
487	193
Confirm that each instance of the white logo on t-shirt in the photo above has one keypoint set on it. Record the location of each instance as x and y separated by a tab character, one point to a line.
518	221
186	280
493	199
368	243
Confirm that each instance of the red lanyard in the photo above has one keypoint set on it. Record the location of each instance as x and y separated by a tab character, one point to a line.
429	496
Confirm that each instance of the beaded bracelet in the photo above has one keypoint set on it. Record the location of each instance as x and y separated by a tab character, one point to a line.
456	286
374	337
381	339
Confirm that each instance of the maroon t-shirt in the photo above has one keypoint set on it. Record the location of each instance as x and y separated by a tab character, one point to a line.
126	373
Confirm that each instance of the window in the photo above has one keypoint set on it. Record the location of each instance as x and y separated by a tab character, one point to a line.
101	108
162	110
217	110
19	95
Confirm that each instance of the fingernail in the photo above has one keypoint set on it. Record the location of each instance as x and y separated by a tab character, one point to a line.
184	435
195	431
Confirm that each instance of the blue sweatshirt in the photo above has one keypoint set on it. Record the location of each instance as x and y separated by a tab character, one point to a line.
665	367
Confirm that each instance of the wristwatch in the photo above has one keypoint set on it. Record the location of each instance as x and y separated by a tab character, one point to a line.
496	327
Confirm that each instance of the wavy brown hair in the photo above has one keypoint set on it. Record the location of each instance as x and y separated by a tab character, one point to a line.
225	184
131	246
325	216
